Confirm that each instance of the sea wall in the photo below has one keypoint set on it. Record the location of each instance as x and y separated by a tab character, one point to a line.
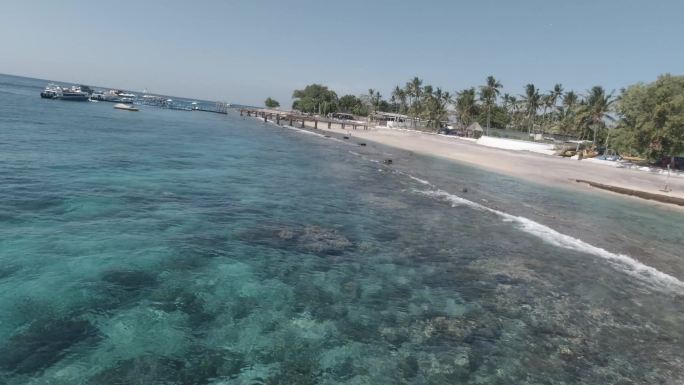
516	145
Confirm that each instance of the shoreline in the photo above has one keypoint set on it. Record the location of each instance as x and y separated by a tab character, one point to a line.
544	169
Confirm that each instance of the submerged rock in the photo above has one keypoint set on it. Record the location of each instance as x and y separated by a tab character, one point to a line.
320	240
192	304
129	280
139	370
43	344
202	366
308	239
409	367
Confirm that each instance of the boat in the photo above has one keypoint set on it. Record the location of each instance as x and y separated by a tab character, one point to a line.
115	96
51	91
158	101
97	96
126	95
126	107
74	93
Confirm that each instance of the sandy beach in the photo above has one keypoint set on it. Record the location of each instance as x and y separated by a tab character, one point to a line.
545	169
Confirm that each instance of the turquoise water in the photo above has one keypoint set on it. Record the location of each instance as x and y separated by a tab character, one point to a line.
169	247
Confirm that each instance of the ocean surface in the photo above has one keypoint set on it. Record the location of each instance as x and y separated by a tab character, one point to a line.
173	247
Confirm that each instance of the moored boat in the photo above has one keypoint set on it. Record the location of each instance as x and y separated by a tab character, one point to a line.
126	107
115	96
74	93
51	91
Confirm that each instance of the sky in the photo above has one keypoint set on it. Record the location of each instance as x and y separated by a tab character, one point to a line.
245	51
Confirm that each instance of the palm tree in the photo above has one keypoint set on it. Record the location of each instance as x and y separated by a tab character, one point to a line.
515	112
488	94
597	109
414	88
436	103
466	107
551	99
374	98
399	96
570	100
568	111
426	102
555	94
532	101
510	106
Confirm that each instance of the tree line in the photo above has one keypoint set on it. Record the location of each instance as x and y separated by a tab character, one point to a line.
643	119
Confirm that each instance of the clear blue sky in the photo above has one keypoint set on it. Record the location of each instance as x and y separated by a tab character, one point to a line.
244	51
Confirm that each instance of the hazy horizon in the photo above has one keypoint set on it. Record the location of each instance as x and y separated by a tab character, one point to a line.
245	52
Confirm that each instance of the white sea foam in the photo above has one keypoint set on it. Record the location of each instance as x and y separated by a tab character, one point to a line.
650	275
421	181
647	274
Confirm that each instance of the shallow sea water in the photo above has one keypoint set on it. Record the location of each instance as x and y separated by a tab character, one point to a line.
167	247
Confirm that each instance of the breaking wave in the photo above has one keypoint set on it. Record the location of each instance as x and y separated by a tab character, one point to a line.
627	264
647	274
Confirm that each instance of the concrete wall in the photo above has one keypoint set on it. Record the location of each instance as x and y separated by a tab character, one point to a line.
516	145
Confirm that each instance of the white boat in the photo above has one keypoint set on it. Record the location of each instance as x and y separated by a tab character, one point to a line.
75	93
116	96
127	107
51	91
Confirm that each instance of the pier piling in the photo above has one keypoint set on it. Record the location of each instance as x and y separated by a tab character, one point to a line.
300	119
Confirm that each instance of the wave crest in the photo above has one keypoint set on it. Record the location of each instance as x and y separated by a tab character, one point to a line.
627	264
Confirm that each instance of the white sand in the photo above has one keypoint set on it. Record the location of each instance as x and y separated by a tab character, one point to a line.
550	170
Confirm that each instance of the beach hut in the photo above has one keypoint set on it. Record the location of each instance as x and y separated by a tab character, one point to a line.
474	130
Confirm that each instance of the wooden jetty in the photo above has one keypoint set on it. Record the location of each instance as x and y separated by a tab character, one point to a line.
298	120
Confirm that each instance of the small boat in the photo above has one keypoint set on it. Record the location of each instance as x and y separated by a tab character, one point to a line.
127	107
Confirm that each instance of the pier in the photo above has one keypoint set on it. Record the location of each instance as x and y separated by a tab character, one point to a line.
219	108
299	120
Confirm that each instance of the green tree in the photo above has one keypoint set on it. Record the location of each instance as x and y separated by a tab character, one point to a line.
374	99
399	97
488	94
435	103
466	106
414	90
596	110
315	98
568	113
652	117
498	117
532	102
271	103
511	108
352	105
550	102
